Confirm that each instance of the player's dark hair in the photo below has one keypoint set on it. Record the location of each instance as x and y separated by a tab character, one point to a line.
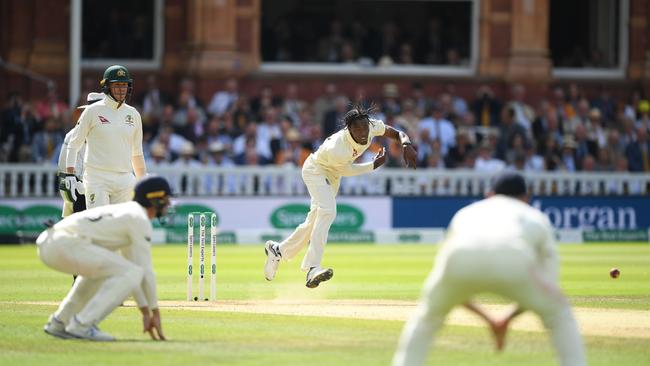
358	112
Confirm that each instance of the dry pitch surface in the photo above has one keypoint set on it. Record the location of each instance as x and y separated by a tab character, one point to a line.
593	321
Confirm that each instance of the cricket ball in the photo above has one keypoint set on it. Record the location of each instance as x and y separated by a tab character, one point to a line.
614	273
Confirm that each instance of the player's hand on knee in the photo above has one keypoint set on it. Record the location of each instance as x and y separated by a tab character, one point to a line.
68	185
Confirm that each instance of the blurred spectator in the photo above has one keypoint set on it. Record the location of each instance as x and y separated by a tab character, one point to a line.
152	101
606	105
486	107
390	103
569	161
524	114
159	156
581	116
459	154
293	105
643	120
330	46
405	54
46	141
638	152
187	157
324	103
51	107
218	155
508	129
14	128
563	108
583	145
485	161
264	100
547	124
334	116
438	128
595	130
408	120
459	105
422	102
225	99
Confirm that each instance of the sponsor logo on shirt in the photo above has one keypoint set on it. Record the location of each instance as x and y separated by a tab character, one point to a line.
103	120
128	120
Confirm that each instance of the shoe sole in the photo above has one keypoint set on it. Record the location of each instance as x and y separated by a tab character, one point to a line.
325	276
266	252
64	335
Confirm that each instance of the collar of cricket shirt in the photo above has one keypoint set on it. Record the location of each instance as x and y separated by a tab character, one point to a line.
111	102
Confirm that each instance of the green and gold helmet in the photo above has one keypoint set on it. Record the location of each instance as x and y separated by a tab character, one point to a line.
116	74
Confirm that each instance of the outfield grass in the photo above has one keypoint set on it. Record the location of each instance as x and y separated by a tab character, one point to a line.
361	272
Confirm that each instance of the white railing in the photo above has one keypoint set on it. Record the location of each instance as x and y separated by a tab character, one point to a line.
28	180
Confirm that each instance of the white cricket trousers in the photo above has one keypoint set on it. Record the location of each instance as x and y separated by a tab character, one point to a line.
315	228
461	273
104	187
105	279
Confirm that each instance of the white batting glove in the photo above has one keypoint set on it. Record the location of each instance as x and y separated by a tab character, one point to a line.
80	187
68	184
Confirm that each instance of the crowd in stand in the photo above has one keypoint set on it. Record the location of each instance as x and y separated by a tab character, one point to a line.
563	132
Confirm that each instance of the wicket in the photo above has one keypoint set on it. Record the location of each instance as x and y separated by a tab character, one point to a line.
213	254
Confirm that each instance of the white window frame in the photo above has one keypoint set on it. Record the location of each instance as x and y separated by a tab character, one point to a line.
618	72
323	68
137	64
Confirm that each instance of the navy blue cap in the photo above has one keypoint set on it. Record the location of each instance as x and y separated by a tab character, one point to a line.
510	184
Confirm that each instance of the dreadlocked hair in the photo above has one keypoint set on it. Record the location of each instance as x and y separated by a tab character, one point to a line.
358	111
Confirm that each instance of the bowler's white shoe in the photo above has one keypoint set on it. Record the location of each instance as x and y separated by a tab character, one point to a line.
316	275
273	257
56	328
90	332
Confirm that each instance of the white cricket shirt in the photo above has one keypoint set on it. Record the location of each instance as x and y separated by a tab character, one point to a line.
113	136
339	151
124	226
502	222
79	166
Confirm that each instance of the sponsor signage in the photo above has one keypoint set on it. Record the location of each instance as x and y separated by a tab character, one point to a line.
585	213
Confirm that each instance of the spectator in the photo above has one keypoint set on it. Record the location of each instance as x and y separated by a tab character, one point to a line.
508	129
324	103
390	103
334	116
486	107
152	101
638	152
224	100
293	105
46	141
51	107
523	113
439	128
458	155
486	162
569	161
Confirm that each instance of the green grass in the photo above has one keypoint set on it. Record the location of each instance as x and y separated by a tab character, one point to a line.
362	272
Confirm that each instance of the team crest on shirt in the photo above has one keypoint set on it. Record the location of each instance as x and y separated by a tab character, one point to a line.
104	120
128	120
354	152
92	198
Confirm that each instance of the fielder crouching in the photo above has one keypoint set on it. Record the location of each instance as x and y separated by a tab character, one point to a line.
85	243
